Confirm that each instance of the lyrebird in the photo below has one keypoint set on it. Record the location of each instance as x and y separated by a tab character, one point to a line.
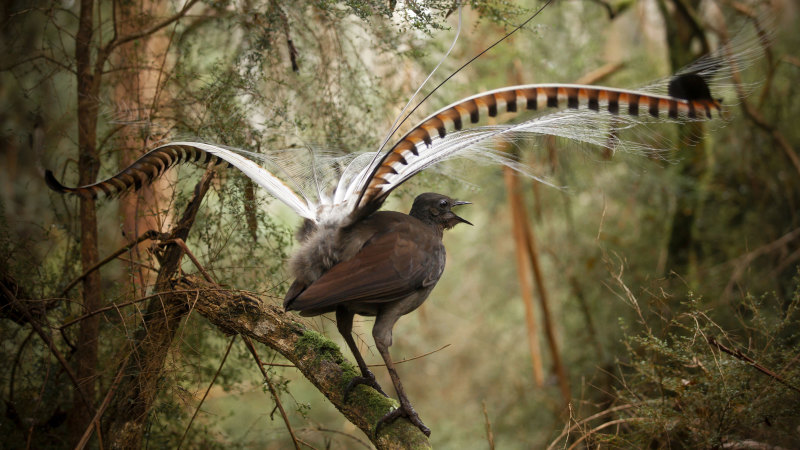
354	259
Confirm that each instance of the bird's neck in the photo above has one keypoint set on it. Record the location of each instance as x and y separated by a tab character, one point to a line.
428	221
438	227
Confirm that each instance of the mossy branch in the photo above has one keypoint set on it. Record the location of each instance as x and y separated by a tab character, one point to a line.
318	358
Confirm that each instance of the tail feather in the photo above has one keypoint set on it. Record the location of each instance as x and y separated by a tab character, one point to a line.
689	97
142	172
154	163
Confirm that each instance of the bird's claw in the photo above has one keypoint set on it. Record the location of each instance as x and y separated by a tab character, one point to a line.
403	411
369	380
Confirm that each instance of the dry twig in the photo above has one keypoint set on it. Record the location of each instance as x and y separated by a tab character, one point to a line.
210	385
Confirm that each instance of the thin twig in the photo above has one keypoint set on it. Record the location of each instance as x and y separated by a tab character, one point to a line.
134	36
213	380
49	341
128	303
605	425
375	365
306	444
739	355
412	358
106	401
792	60
586	420
13	376
150	234
272	390
191	256
138	263
600	73
50	344
489	435
325	430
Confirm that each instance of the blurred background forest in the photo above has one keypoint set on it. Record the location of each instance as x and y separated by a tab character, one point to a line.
657	305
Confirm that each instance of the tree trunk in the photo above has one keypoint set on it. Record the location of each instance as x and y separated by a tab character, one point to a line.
683	248
86	346
140	92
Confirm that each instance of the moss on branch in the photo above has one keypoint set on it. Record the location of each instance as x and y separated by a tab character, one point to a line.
317	357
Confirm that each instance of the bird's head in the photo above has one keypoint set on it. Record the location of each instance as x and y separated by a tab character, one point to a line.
436	209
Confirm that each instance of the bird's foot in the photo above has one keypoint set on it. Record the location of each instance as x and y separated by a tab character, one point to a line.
368	379
407	411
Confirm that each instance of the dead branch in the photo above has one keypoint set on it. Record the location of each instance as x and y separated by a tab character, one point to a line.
210	385
531	254
116	42
489	434
164	315
102	409
272	390
149	234
741	356
180	243
523	273
376	365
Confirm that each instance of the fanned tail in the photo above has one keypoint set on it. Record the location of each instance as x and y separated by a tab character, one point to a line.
689	99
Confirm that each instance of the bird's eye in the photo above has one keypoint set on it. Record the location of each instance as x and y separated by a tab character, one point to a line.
442	203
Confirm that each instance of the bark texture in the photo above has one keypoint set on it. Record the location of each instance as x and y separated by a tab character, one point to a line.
87	342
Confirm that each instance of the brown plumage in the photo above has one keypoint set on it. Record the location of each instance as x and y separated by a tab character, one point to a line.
384	265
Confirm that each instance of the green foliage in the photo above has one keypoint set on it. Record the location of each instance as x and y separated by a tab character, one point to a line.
687	382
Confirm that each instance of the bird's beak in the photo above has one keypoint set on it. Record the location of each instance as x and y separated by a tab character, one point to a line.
455	219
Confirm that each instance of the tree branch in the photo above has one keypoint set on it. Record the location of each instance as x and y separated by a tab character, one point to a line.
127	419
150	234
112	44
317	358
272	390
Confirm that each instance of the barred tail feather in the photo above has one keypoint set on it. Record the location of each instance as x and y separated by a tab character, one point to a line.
154	163
689	99
143	171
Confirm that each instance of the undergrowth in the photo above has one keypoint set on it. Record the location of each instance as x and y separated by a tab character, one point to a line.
692	383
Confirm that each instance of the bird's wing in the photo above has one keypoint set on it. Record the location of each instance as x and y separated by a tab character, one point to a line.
155	162
389	267
446	133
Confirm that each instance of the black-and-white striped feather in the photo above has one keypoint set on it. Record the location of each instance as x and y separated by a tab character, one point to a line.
445	133
343	189
365	182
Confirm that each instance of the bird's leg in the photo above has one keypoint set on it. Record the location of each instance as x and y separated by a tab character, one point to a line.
344	322
382	332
